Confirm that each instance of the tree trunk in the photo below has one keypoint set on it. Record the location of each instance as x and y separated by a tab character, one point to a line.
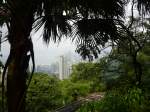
17	69
16	82
137	70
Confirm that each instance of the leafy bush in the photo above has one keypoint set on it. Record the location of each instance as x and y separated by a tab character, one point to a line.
89	73
71	91
111	103
97	86
48	93
115	101
86	71
44	94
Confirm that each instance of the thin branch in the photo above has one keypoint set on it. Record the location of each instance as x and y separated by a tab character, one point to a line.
130	35
132	15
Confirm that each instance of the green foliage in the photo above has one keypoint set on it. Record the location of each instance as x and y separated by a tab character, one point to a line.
86	71
114	101
48	93
89	73
116	71
44	93
125	71
123	96
71	91
144	59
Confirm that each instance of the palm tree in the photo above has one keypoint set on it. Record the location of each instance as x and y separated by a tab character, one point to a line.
91	42
94	23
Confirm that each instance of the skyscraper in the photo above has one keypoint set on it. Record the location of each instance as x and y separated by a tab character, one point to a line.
61	68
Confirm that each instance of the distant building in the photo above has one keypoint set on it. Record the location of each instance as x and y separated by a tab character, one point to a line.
54	67
48	69
61	68
65	68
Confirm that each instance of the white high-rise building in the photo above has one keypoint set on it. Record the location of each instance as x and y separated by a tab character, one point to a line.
61	68
65	66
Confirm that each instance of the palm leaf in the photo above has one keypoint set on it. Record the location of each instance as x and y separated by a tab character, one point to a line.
54	20
56	23
96	25
92	35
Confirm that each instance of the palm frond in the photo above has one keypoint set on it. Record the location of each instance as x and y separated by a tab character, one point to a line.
88	49
93	25
54	20
93	34
54	27
96	26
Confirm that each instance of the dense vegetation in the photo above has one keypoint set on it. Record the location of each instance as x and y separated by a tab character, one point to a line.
123	94
113	74
49	93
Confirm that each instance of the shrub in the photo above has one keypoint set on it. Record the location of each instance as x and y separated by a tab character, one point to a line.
71	91
132	101
44	94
